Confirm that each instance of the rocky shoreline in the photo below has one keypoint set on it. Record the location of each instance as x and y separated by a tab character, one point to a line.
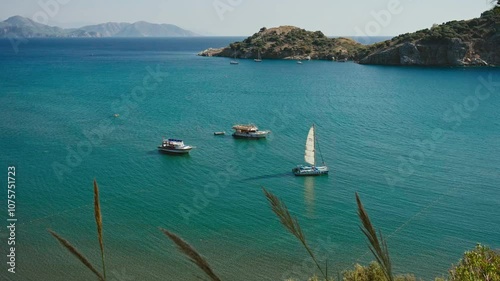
288	42
455	52
474	42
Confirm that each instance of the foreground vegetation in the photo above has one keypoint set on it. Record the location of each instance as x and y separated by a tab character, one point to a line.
480	263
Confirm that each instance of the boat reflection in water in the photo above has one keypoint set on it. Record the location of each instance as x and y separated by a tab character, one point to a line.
309	196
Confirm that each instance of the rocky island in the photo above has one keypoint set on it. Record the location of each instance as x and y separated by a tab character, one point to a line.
289	42
474	42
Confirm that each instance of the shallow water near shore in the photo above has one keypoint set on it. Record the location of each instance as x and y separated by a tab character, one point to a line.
427	172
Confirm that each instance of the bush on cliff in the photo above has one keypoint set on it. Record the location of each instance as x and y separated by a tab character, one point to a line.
478	264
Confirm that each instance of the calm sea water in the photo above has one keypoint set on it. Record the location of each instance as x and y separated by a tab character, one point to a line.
428	176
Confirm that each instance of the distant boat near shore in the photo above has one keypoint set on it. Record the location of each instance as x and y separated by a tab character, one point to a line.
258	59
234	61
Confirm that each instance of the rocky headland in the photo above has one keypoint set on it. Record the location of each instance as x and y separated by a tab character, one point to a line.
455	43
474	42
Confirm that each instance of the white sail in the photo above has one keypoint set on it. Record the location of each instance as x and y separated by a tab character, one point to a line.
309	156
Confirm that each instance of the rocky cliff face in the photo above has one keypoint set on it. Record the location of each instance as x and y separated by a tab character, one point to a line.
474	42
452	52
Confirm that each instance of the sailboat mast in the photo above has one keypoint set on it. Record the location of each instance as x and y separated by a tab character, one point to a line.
314	144
319	150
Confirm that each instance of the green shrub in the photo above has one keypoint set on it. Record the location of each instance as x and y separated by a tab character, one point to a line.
478	264
373	272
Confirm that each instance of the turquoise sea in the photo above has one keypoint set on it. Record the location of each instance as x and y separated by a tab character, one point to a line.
420	145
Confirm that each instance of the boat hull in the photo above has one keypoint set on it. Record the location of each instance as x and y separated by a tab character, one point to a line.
259	135
310	171
174	151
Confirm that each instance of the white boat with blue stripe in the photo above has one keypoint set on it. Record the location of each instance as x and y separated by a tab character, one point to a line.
174	146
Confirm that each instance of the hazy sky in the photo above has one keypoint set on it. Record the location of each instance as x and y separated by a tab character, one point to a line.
245	17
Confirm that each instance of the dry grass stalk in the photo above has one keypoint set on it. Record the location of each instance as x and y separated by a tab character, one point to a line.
378	248
192	254
98	222
76	253
290	223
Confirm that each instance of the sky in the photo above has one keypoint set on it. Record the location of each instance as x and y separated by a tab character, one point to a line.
245	17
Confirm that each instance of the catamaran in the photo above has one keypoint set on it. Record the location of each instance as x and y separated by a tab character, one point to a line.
310	158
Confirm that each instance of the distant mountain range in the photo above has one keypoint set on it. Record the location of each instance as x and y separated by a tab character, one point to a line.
18	26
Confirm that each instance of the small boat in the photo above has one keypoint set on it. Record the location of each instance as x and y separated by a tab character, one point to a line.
310	158
299	62
174	146
249	131
258	59
219	133
234	61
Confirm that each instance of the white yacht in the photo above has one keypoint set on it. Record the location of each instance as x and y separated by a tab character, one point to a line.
174	146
